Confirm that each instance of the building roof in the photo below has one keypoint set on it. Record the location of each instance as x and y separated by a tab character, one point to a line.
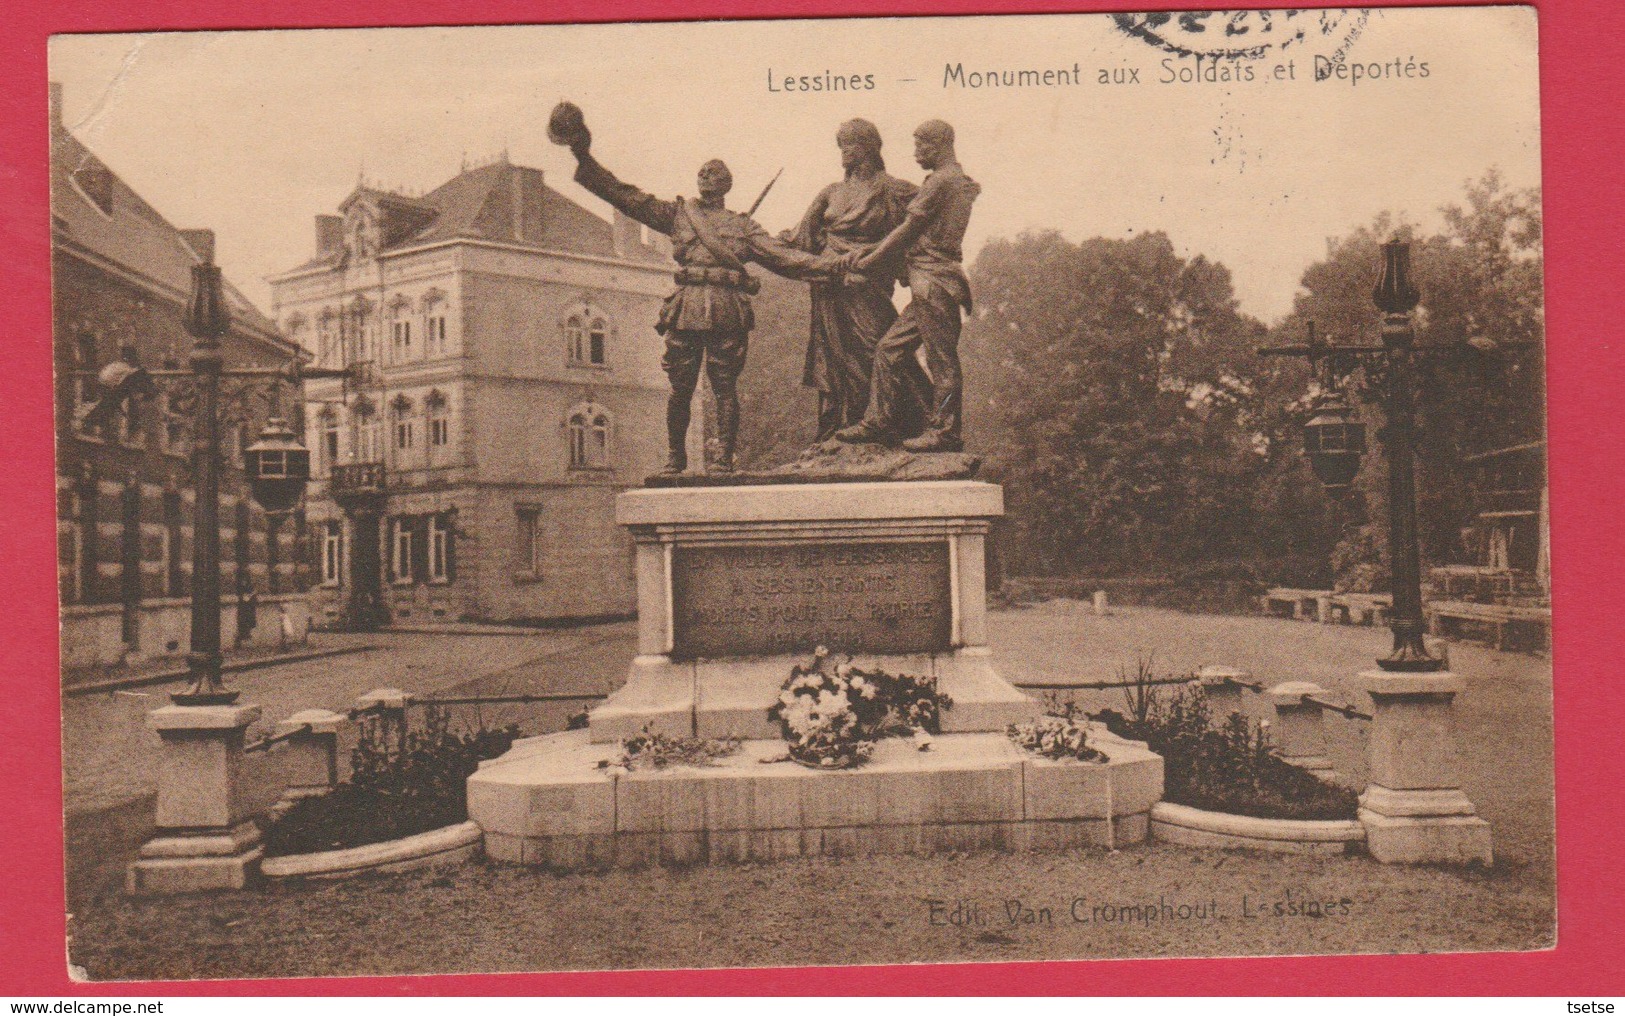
499	202
128	232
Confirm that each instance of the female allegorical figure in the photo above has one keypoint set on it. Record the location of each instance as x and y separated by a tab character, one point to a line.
850	316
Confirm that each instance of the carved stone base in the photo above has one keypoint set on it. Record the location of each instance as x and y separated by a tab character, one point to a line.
191	862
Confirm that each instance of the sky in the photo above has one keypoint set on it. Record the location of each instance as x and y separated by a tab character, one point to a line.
252	134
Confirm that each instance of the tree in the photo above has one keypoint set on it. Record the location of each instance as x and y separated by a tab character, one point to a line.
1105	380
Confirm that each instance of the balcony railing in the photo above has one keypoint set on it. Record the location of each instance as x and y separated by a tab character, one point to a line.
356	480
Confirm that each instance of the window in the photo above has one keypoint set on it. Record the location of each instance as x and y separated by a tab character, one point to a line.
329	351
330	439
237	443
586	337
400	334
369	438
69	566
589	438
175	577
434	325
332	552
177	432
85	362
438	412
405	428
439	548
532	545
401	550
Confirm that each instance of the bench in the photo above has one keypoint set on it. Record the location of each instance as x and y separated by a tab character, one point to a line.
1284	601
1446	617
1358	608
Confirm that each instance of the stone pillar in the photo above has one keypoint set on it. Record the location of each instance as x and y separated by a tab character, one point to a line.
1223	687
1100	603
1298	730
390	705
205	840
1323	609
1414	810
317	758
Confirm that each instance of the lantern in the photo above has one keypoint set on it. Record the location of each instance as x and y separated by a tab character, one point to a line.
1395	293
206	313
1334	441
278	467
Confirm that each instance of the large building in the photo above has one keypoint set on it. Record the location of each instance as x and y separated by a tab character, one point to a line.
121	275
511	387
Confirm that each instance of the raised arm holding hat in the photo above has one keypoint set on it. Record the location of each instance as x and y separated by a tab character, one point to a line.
707	319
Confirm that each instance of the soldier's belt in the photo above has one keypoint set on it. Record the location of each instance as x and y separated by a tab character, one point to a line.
731	278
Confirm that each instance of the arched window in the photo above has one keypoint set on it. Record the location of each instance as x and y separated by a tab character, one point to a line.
330	437
438	411
434	323
405	420
369	440
586	336
400	329
589	437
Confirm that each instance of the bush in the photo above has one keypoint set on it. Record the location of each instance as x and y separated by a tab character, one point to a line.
1229	768
401	783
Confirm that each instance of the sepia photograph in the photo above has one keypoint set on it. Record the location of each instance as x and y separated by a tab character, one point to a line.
802	493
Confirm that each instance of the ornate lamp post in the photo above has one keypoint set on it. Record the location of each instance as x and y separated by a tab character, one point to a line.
278	466
1334	439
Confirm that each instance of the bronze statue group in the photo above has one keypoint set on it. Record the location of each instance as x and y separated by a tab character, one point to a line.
860	236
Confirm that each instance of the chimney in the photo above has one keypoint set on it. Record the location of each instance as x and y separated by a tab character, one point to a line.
202	242
628	236
329	234
56	106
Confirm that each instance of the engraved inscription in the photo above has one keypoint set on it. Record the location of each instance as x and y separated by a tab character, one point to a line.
856	597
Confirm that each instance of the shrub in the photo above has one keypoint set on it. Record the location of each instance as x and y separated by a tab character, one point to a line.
401	783
1231	767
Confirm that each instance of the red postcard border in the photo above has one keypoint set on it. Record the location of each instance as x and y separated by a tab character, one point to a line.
1581	78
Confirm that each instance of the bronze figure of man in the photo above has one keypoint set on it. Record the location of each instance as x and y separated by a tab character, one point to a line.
929	239
851	217
707	319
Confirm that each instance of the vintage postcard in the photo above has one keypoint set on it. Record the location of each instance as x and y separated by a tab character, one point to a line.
785	493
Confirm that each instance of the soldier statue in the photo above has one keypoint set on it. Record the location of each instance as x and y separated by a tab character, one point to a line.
707	319
928	239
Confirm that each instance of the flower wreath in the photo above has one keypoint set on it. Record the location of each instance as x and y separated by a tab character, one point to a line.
831	713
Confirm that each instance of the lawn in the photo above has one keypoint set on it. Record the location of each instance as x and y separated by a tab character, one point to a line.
490	917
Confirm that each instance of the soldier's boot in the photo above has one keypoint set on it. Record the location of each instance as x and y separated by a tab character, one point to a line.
677	413
864	432
727	431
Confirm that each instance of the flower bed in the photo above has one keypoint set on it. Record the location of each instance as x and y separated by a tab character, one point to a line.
400	785
1230	767
831	713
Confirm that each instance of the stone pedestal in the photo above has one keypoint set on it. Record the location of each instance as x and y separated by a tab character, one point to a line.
738	584
205	840
1223	687
317	755
1299	732
1414	810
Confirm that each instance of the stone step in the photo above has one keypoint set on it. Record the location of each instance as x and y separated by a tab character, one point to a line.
547	802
